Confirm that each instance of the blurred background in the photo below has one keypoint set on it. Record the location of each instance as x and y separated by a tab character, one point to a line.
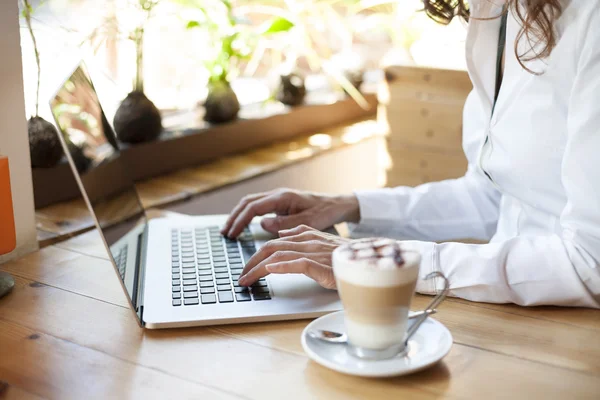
182	44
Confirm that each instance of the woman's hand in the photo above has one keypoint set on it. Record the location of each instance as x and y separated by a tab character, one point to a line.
293	208
301	250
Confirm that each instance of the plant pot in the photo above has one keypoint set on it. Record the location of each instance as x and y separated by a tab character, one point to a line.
137	119
44	144
291	90
222	104
8	239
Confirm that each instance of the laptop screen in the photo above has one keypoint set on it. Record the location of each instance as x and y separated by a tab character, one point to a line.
103	173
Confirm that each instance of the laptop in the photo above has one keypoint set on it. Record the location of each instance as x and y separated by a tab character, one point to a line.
175	272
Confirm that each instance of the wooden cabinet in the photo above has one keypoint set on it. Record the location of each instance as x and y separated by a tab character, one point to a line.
423	110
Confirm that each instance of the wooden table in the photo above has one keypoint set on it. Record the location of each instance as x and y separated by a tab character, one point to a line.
66	333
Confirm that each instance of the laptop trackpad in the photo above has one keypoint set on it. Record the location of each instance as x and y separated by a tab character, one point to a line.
297	286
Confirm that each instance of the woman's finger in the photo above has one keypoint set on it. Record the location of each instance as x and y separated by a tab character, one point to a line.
296	231
260	271
281	245
321	273
261	206
238	208
282	223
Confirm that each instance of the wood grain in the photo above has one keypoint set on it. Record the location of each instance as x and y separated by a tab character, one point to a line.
82	325
423	111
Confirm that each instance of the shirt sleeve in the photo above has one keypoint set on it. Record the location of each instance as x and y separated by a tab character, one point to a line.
463	208
561	269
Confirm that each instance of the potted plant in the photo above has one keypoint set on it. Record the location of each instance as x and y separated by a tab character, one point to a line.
231	45
302	39
44	144
137	119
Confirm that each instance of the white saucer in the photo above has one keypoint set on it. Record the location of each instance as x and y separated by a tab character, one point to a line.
429	345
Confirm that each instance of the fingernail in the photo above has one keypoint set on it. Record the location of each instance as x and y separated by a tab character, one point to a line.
270	268
242	280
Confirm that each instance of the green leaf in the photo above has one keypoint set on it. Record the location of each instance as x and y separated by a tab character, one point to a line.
192	24
278	25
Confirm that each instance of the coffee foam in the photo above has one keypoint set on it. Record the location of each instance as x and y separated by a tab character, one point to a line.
379	263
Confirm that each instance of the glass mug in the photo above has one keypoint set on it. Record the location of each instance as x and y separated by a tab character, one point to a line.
376	292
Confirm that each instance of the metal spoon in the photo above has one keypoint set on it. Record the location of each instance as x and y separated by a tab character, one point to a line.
336	337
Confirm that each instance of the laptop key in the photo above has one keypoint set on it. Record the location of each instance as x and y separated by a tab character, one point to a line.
206	284
242	290
207	290
190	288
219	259
223	281
225	297
206	266
188	264
220	264
209	299
187	275
220	275
176	289
190	295
262	296
189	282
221	269
204	272
176	282
260	290
223	288
247	253
176	296
243	297
206	278
175	276
191	302
260	284
176	302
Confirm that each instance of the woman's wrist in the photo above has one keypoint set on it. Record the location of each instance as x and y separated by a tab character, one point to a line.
350	208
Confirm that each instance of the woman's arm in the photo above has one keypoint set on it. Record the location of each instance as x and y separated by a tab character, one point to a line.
560	269
460	208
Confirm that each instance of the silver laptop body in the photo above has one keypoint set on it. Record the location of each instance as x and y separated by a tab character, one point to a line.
175	272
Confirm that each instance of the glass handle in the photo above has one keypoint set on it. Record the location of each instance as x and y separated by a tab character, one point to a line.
434	303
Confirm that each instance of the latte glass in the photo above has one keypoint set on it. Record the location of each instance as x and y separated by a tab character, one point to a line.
376	281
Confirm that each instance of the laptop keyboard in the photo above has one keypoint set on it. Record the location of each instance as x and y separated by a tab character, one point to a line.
205	268
121	261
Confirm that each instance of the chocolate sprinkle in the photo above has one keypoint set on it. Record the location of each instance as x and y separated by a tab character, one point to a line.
377	250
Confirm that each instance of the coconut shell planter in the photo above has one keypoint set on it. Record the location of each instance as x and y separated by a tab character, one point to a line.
222	104
291	90
44	144
137	119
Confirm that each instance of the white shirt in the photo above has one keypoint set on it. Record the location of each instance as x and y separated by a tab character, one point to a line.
541	208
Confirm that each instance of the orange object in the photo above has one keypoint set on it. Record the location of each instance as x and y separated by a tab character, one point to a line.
8	238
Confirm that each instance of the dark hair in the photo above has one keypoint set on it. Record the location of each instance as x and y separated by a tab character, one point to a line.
537	19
